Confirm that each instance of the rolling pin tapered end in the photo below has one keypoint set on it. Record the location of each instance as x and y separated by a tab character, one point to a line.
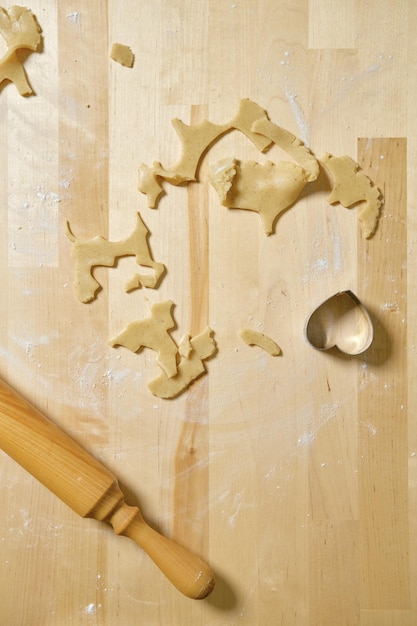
190	574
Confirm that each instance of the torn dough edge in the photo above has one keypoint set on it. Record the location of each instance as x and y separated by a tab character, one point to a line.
195	141
284	182
351	186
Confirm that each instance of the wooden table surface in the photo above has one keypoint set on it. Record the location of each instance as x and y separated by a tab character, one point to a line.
294	476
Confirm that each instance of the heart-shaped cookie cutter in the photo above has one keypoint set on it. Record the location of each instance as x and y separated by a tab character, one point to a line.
341	322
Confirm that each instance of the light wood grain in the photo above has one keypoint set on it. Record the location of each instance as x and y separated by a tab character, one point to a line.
294	476
90	489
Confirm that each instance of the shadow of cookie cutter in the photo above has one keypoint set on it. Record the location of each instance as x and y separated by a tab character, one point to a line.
341	322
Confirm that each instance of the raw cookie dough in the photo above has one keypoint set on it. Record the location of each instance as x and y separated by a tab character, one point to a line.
352	185
152	332
291	145
190	367
122	54
268	189
19	29
195	141
98	251
181	364
255	338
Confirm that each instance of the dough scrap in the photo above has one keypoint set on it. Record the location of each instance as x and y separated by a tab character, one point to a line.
181	364
256	338
290	144
268	189
19	29
350	186
195	141
152	332
99	251
190	367
122	54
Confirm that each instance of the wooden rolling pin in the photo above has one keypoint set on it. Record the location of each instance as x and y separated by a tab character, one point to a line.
90	489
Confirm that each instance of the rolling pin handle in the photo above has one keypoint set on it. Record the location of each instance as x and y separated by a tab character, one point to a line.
192	576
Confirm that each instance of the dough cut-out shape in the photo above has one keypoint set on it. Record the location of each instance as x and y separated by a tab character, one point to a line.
255	338
97	251
195	141
122	54
268	189
20	29
201	347
152	332
341	322
350	186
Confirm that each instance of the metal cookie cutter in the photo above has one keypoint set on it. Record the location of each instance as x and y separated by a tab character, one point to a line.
340	322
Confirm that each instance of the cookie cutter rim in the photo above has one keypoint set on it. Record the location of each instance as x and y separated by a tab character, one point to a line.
368	337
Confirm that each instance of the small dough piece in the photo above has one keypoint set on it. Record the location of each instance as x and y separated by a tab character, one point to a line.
195	141
255	338
122	54
98	251
152	332
291	145
350	186
185	348
19	29
190	367
268	189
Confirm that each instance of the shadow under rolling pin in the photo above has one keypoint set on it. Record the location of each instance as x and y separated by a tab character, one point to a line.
90	489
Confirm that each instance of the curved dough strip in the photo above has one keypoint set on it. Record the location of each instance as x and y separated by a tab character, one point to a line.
255	338
291	145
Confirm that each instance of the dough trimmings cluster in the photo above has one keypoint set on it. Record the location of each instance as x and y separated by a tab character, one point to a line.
180	365
267	188
195	141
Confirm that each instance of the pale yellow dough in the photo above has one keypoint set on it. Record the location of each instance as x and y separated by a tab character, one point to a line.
268	189
122	54
195	140
350	186
181	364
152	332
256	338
190	367
98	251
19	29
291	145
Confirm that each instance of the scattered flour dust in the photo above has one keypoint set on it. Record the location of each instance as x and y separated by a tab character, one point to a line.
91	608
327	413
30	344
372	429
237	503
318	265
74	17
299	115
